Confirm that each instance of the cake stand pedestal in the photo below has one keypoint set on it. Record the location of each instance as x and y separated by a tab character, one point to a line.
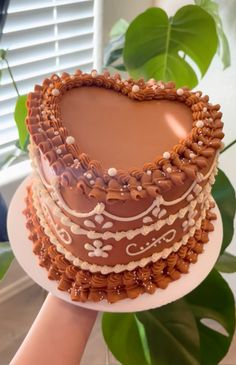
22	248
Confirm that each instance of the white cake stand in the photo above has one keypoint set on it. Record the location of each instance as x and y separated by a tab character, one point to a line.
22	248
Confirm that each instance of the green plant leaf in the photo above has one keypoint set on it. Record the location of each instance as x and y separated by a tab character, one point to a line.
119	28
213	300
226	263
224	195
114	49
153	44
171	327
124	338
20	115
223	46
6	257
178	333
3	54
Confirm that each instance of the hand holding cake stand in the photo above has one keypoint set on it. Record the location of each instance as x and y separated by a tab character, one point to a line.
22	248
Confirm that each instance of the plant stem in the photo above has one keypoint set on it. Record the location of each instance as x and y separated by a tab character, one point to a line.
229	145
12	78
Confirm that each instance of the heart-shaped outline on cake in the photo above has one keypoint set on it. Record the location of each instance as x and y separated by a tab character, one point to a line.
187	159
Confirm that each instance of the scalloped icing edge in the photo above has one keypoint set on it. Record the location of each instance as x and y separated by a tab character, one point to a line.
186	158
105	269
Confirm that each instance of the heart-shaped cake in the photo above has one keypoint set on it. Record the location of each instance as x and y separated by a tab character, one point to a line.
120	202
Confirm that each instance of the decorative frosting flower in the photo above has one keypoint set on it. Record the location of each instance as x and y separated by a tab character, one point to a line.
97	249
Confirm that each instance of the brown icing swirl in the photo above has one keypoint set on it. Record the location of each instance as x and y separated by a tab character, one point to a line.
98	280
83	278
114	280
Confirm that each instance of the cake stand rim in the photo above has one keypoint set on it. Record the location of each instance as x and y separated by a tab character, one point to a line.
17	231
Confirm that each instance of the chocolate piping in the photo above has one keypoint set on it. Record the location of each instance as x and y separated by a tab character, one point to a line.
187	158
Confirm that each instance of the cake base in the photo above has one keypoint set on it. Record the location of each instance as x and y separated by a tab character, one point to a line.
22	248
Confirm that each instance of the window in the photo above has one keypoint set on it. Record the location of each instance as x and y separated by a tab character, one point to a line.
42	37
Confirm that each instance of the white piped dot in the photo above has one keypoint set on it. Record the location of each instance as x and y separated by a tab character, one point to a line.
135	88
94	73
139	188
112	171
191	222
199	124
89	176
55	77
55	92
180	92
76	160
204	109
56	133
149	172
58	151
70	140
92	182
200	143
166	155
40	130
192	155
169	170
197	95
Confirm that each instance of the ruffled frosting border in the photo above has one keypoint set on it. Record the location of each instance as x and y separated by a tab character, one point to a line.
75	168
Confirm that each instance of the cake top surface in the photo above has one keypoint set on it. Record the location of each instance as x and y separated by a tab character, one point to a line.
122	139
122	132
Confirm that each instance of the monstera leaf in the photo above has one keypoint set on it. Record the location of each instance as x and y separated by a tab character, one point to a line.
223	46
154	44
178	333
213	300
114	49
123	334
226	263
224	195
20	115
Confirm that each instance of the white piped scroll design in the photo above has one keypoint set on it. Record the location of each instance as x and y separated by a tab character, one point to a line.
100	207
105	269
130	234
166	237
61	232
99	219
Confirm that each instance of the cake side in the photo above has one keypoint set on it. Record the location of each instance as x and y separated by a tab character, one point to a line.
95	242
82	285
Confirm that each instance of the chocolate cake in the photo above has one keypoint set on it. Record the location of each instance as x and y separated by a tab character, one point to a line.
120	199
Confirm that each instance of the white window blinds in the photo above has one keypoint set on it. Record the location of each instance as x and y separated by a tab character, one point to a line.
42	37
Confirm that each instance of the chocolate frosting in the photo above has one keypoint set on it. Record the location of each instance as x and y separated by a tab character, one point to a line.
133	132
